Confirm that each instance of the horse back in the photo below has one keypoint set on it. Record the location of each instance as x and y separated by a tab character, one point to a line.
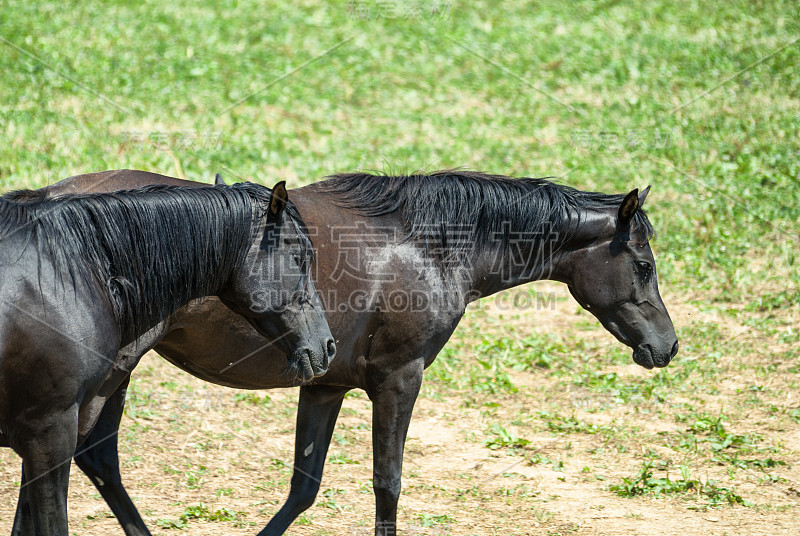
113	181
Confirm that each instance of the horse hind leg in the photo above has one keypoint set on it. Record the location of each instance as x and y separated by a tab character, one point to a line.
98	458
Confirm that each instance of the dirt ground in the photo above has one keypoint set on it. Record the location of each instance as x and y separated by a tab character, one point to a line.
185	443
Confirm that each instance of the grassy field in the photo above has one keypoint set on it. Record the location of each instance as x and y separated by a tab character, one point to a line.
533	420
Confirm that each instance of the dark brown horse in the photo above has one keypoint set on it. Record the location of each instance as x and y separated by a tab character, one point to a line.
87	282
397	261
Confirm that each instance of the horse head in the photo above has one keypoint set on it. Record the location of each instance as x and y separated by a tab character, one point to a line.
273	289
613	276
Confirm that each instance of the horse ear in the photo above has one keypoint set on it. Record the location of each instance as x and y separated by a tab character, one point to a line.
643	196
219	181
628	208
279	199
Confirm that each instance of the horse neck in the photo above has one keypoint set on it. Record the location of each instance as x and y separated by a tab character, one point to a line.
543	253
204	266
170	262
200	273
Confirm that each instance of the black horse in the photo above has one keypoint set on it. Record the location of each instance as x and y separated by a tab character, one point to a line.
87	282
398	260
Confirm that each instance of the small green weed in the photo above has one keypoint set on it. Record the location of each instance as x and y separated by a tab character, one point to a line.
252	398
329	499
196	478
430	520
645	483
561	424
342	458
504	439
557	465
201	512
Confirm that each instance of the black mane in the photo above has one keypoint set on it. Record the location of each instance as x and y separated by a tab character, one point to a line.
492	205
138	243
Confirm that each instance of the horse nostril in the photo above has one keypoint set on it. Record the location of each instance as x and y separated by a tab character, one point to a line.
674	350
308	366
331	349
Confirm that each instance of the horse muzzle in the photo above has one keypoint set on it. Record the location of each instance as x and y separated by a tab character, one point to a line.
644	355
309	364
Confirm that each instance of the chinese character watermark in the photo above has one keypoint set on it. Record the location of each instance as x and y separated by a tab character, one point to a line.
181	140
621	140
398	9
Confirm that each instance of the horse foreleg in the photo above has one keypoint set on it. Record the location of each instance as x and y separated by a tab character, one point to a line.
99	459
317	410
393	398
23	520
46	457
